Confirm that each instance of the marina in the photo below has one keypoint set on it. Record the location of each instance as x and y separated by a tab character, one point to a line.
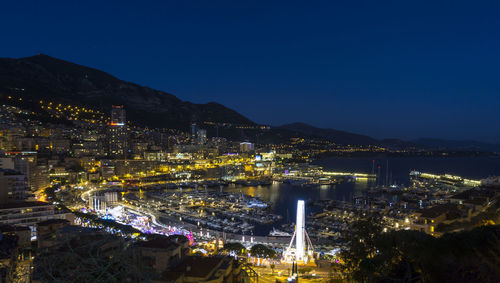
264	210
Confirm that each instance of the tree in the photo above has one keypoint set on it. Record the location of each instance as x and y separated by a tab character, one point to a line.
260	250
75	167
400	254
305	269
409	256
90	259
361	239
272	267
237	248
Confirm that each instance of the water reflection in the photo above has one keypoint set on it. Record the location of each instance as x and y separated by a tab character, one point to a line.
283	197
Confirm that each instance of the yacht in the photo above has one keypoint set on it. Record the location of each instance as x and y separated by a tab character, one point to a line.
278	233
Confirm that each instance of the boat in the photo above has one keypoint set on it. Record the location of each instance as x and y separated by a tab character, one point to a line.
278	233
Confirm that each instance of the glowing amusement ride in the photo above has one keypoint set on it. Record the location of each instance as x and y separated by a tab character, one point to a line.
302	253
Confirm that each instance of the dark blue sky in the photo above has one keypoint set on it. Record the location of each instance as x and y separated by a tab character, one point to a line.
403	69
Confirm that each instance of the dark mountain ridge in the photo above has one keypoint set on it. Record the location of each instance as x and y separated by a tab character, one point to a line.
42	77
465	145
340	137
45	77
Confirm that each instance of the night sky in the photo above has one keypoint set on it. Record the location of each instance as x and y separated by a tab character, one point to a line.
404	69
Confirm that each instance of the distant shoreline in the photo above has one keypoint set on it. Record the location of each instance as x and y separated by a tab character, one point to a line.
429	154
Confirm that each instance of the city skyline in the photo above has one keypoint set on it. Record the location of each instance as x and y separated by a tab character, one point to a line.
249	141
384	71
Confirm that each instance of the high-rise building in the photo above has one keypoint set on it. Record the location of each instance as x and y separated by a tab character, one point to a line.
202	136
13	186
24	163
118	131
194	132
6	163
118	115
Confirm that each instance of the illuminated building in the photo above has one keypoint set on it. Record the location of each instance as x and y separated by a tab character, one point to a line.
97	203
111	197
246	147
101	201
29	214
303	251
202	136
107	168
25	163
118	115
194	132
118	131
13	186
40	178
426	220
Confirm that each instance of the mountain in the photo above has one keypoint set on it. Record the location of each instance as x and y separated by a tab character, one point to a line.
342	137
47	78
339	137
467	145
42	77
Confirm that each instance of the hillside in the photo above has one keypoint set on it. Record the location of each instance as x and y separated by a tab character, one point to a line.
45	77
469	145
339	137
42	77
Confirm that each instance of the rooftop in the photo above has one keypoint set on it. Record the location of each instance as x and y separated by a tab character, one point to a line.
474	193
23	204
158	243
53	221
438	210
10	172
79	230
10	228
198	266
170	276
